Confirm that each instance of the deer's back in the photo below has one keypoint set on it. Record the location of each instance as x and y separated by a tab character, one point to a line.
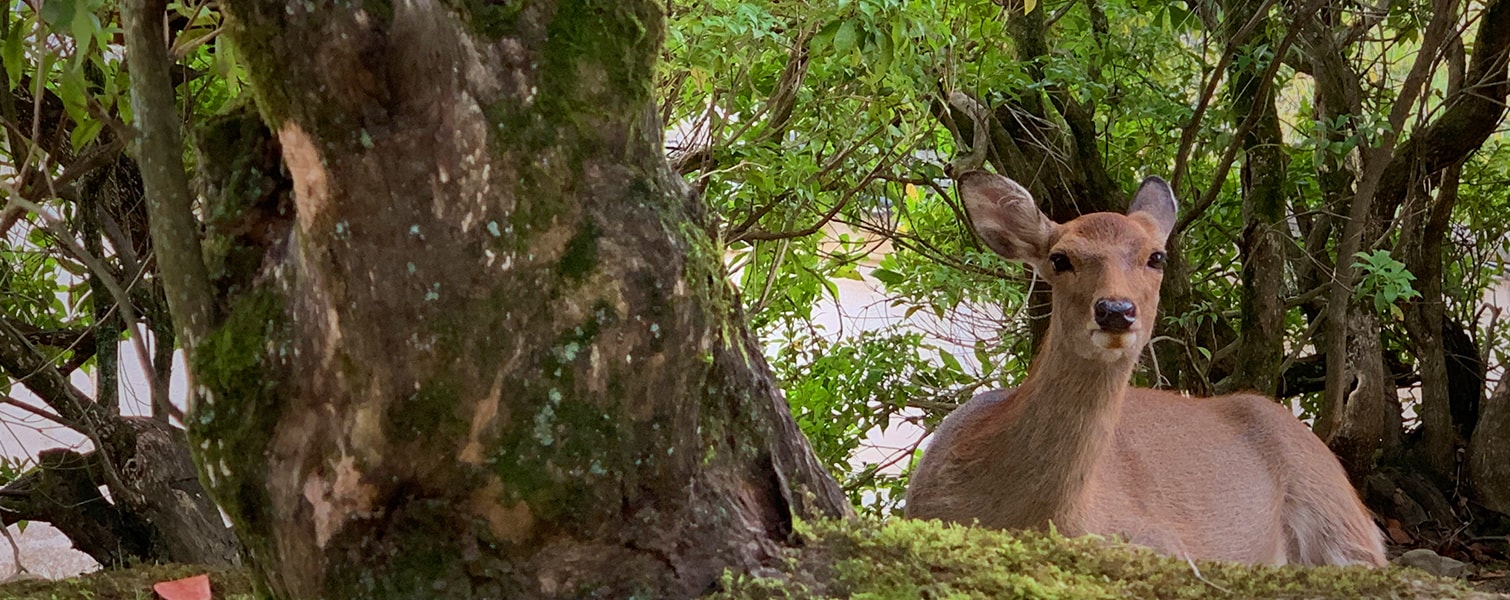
1195	476
1233	478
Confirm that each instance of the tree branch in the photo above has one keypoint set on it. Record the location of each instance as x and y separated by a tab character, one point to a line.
1187	135
1228	156
1376	162
175	233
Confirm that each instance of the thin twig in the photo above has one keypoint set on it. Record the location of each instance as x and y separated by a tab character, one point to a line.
28	407
1187	137
1230	154
1198	575
122	298
15	550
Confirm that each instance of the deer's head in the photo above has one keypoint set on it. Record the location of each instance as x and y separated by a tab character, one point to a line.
1105	268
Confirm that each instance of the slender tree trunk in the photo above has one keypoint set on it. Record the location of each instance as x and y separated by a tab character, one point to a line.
1464	123
496	355
1177	366
1261	341
1421	237
107	320
1372	205
1370	412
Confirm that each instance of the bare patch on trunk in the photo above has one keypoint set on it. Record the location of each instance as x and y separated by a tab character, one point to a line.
332	502
482	420
508	522
311	180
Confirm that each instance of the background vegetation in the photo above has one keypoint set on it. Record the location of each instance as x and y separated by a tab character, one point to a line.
821	135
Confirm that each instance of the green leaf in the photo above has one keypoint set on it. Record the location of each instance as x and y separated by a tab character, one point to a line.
983	357
13	53
58	14
830	287
824	39
848	272
73	90
846	38
950	361
885	52
84	27
85	132
887	276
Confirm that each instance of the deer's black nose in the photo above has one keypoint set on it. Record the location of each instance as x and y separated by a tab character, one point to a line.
1115	314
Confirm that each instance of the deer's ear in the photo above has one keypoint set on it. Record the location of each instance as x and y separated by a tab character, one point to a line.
1005	216
1156	200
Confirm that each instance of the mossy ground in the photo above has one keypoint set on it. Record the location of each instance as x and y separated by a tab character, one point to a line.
911	559
902	559
134	583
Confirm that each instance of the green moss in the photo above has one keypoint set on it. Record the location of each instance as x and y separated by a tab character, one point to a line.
237	171
913	559
581	255
415	559
255	42
381	10
430	411
491	19
130	584
565	439
610	38
237	366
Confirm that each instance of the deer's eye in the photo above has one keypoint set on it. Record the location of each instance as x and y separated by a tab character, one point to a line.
1156	260
1060	262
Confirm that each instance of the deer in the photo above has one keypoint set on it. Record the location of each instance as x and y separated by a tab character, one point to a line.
1075	447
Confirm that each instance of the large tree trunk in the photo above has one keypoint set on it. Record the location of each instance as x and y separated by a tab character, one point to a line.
496	355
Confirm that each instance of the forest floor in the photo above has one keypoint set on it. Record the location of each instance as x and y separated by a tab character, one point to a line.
1492	578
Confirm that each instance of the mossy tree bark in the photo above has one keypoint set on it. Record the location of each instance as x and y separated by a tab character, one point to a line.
493	354
1260	349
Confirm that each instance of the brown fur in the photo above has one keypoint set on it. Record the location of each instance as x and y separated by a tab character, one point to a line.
1234	478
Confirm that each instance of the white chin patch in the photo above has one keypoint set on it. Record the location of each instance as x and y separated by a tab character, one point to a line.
1113	345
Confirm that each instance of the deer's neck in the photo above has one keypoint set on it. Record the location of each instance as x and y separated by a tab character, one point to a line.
1066	415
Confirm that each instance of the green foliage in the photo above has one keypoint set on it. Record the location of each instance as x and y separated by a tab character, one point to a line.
66	55
915	559
1385	280
837	175
10	469
843	391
